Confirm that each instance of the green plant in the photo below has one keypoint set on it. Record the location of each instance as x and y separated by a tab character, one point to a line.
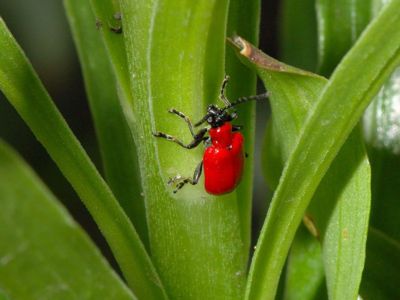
192	245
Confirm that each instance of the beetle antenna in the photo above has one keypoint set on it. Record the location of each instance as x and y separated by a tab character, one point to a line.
245	99
222	96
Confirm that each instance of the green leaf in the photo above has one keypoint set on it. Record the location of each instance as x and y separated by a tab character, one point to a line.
116	143
381	275
327	127
44	254
298	47
22	87
344	223
3	295
293	94
305	273
298	33
105	13
244	19
175	52
340	23
381	128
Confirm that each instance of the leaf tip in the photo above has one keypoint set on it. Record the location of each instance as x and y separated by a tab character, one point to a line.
254	55
242	45
262	61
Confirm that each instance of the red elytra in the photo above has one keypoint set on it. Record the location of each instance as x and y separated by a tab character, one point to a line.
223	160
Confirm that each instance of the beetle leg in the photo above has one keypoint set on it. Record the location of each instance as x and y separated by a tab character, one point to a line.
174	179
197	138
192	181
186	118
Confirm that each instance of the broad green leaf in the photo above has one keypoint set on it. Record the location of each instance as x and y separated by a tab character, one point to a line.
22	87
340	23
305	273
244	19
293	94
298	33
381	275
175	52
44	254
116	143
344	224
354	83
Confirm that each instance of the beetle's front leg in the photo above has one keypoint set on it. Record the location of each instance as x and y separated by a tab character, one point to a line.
185	118
180	181
197	138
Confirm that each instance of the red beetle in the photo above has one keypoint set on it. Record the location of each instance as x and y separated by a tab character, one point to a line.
223	158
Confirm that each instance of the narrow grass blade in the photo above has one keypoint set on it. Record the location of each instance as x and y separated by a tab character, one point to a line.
115	140
175	52
340	23
22	87
43	252
320	140
244	19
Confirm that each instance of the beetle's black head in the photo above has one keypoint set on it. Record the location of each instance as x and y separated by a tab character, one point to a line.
217	117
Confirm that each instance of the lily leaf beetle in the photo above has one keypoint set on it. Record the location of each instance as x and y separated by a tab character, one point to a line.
223	157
